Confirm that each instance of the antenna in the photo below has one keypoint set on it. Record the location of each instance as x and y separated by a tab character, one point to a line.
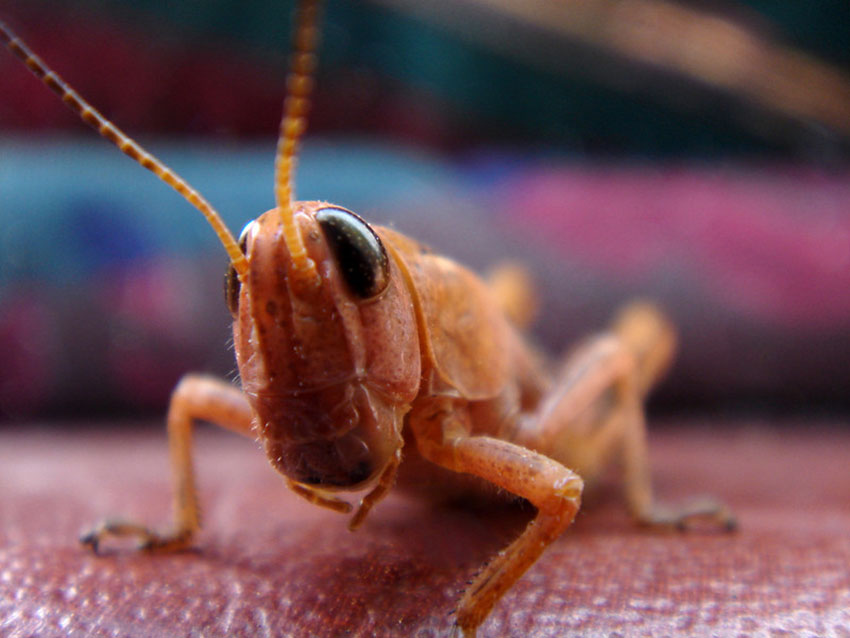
299	85
125	144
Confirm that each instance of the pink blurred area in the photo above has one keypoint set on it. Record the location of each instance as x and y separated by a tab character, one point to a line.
773	245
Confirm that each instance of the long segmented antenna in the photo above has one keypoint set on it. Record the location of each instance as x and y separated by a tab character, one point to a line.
125	144
299	84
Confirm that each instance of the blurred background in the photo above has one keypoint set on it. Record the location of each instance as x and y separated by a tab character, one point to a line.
691	152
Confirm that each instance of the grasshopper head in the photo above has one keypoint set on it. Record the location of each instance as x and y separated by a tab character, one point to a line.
324	329
330	361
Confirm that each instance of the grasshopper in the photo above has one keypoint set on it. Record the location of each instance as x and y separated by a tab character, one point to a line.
364	358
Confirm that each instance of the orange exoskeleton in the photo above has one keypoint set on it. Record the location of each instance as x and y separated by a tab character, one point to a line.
356	346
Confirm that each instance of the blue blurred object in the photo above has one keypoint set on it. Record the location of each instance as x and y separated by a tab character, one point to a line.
70	207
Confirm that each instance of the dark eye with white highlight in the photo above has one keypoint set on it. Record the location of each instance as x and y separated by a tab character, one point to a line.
359	252
232	285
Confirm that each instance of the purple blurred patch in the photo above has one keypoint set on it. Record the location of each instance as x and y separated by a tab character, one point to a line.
28	343
154	312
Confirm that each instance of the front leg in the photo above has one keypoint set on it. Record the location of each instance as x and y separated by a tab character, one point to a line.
442	438
195	397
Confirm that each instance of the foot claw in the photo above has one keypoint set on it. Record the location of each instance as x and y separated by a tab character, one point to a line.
91	540
683	518
457	632
148	540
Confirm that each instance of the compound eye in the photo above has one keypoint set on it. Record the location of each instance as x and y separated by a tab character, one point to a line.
232	285
359	252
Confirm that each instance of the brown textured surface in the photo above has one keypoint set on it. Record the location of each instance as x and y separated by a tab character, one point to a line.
270	565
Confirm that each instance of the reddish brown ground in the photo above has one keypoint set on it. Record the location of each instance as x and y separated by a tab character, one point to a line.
268	564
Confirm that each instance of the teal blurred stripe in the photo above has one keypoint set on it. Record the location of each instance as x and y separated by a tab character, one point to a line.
66	206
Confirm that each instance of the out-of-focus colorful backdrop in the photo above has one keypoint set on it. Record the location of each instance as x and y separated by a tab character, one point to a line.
694	153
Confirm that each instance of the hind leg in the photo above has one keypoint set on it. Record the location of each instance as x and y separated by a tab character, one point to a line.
514	291
595	414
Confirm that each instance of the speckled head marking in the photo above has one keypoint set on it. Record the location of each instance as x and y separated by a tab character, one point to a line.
125	144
